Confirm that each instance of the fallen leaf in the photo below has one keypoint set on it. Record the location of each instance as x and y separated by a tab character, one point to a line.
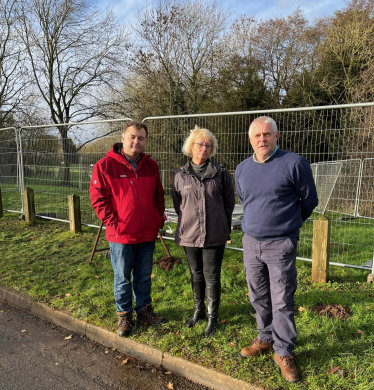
154	370
184	292
223	322
24	330
359	331
68	337
168	385
301	309
96	277
253	314
232	344
124	362
67	295
167	372
333	370
78	269
340	372
153	276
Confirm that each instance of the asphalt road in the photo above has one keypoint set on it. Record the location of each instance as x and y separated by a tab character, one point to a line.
35	354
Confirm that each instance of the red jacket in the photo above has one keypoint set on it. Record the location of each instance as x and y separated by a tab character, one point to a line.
130	203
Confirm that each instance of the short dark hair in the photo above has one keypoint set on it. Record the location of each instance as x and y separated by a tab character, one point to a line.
138	125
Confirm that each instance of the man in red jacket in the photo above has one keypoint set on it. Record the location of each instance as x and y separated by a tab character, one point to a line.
127	195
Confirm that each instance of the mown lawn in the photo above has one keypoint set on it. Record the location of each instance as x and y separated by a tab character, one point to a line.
50	265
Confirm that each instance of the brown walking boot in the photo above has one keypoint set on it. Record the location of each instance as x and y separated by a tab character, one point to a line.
256	348
124	324
148	317
288	367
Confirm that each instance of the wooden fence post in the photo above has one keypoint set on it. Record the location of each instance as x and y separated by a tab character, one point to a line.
321	250
29	206
1	205
75	213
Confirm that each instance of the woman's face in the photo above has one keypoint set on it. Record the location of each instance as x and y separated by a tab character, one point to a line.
201	150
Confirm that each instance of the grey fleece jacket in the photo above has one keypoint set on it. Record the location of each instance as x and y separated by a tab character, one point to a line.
204	207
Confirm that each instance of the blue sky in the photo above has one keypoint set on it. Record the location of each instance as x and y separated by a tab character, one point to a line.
127	9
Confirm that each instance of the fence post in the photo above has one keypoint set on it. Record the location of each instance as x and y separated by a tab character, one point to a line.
29	205
75	213
1	205
321	249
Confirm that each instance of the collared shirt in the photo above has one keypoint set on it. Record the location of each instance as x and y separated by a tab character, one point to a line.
274	151
134	164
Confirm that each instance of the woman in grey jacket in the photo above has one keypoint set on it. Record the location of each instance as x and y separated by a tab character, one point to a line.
204	199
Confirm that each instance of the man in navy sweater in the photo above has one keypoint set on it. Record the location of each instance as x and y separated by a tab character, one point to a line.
277	192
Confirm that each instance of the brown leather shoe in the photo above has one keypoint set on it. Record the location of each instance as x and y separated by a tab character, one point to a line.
256	348
124	324
148	317
288	367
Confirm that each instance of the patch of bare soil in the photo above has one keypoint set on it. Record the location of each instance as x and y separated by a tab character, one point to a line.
167	263
333	311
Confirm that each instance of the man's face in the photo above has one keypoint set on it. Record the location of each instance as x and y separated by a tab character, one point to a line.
133	142
263	140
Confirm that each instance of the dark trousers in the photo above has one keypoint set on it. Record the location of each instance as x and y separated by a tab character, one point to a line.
271	276
205	263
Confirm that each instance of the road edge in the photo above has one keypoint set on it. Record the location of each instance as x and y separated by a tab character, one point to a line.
194	372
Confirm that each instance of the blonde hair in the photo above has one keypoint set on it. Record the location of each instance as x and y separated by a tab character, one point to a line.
263	119
197	133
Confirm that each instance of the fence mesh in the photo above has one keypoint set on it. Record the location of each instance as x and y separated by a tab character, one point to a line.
338	141
9	170
334	140
58	161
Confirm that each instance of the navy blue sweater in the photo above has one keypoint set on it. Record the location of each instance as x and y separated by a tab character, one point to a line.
277	196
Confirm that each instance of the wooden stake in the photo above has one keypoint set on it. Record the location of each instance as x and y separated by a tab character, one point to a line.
321	250
1	205
75	213
29	206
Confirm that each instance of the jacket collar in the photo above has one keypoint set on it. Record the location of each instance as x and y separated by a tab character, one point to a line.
115	153
210	172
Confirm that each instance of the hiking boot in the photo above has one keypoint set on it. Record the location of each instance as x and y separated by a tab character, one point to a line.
256	348
124	324
288	367
148	317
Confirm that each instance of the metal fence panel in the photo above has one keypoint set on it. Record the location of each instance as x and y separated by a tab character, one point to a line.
334	138
337	140
9	170
58	161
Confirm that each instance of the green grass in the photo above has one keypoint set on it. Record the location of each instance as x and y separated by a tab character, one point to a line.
50	265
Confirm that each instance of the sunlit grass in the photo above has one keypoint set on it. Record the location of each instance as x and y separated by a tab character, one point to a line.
50	264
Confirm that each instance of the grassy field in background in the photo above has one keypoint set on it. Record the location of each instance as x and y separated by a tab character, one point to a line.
50	265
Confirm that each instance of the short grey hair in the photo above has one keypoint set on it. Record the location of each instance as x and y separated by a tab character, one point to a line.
197	133
263	119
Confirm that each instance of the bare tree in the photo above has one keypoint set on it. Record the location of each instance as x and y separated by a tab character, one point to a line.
347	54
176	54
283	47
75	52
13	72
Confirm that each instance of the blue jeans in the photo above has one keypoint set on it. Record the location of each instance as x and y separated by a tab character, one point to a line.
272	281
138	259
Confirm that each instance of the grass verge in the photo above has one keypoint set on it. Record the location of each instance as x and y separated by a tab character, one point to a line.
50	265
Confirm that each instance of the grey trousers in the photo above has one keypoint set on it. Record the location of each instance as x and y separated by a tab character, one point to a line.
272	280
